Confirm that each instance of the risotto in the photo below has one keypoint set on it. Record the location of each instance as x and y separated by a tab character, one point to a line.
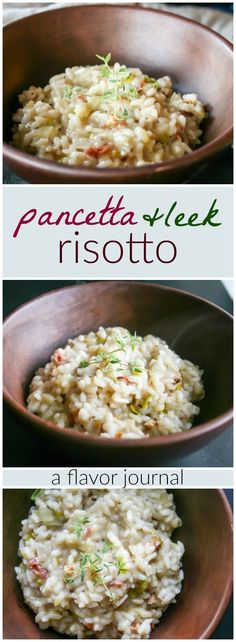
107	116
100	564
114	384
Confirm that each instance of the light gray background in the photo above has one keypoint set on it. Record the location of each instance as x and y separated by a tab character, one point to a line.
200	250
193	477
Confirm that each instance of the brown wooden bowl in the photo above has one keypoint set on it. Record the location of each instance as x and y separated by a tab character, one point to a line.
193	327
197	59
207	536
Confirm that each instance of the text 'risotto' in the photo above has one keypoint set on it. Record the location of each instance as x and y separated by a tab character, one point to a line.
100	564
107	116
114	384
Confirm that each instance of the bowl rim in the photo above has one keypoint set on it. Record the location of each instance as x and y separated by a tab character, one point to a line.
205	428
228	586
204	152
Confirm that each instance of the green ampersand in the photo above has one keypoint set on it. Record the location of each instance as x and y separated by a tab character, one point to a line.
152	219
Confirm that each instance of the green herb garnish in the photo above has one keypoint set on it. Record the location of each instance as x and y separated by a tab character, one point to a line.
139	589
69	579
125	115
94	564
151	81
134	339
120	563
80	525
114	360
36	493
69	90
106	357
83	561
107	546
146	402
135	367
105	59
121	343
84	364
133	409
119	79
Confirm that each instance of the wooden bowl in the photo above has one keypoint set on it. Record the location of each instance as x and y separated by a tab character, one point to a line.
193	327
207	536
197	59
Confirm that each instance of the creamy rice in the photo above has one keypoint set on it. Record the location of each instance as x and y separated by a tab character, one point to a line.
107	116
115	384
100	564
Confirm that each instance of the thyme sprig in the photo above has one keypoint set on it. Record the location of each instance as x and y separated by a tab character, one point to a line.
151	81
70	90
119	87
107	359
120	564
101	356
119	79
96	566
107	546
120	343
135	367
134	339
36	493
80	523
